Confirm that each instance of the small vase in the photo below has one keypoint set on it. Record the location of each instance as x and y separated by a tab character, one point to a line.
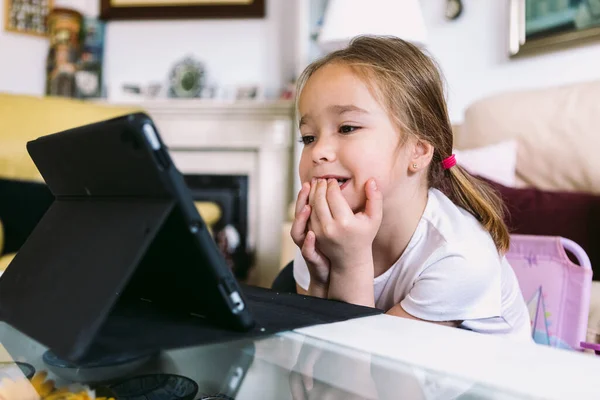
64	27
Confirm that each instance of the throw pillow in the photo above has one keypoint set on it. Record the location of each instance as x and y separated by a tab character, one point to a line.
497	162
572	215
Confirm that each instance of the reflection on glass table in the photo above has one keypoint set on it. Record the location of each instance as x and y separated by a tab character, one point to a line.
284	366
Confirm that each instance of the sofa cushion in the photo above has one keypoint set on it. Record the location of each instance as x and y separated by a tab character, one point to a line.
557	130
496	162
26	118
572	215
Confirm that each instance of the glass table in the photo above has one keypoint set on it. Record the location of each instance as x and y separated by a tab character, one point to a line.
289	365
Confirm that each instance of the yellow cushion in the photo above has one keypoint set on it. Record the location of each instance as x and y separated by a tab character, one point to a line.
210	212
24	118
5	260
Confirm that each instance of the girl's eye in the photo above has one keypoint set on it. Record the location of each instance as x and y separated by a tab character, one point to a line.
307	139
347	128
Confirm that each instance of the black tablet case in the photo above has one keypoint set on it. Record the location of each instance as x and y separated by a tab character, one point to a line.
114	273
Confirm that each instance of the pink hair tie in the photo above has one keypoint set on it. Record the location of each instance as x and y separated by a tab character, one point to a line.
449	162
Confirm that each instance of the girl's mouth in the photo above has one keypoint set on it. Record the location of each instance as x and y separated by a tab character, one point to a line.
343	182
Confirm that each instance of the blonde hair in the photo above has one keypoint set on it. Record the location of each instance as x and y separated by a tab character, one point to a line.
409	85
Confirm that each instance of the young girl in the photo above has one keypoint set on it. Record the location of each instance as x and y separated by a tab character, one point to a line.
385	217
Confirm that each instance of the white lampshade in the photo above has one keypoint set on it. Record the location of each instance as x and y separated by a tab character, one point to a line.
345	19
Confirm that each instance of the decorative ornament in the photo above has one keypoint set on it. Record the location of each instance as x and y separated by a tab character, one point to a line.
187	78
454	9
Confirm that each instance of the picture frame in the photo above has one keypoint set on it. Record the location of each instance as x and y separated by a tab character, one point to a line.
27	17
540	25
184	9
249	93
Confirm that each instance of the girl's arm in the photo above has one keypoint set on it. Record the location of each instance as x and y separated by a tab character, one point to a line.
313	290
453	288
398	311
300	290
355	284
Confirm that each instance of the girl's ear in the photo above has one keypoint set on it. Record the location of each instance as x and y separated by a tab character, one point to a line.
422	153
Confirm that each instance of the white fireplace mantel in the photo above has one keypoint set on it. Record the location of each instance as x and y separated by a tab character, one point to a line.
243	138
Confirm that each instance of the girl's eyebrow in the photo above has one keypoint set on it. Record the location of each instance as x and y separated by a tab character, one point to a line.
335	109
304	120
341	109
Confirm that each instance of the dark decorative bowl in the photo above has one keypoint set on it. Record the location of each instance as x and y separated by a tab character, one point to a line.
104	369
156	387
27	369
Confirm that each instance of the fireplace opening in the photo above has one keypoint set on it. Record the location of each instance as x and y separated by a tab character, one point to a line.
230	193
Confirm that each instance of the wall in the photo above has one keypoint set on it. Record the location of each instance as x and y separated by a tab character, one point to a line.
235	52
22	60
472	52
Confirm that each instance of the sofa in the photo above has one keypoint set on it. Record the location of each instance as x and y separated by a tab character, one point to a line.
24	198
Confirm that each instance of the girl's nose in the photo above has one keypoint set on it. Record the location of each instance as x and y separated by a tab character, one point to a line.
323	150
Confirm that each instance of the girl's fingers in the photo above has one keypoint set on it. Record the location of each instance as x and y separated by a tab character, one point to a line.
302	199
309	249
320	205
374	205
340	210
298	231
311	194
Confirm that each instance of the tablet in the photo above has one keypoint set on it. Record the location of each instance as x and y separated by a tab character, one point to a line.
122	261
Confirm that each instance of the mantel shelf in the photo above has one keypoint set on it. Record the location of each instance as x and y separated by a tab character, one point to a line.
253	109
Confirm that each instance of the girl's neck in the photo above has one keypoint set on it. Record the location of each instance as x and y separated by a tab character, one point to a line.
400	220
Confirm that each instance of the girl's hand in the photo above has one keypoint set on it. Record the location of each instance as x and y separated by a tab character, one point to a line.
345	238
305	239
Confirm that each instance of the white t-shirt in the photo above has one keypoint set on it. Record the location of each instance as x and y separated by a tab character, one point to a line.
450	271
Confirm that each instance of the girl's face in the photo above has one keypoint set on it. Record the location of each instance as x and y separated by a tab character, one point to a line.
349	136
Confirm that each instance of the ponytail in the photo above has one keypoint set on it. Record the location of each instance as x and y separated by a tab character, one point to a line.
480	199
